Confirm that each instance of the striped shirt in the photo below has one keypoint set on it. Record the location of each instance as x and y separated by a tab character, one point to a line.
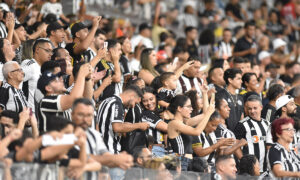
12	98
89	54
32	72
111	110
184	84
94	146
223	132
182	144
255	133
288	160
206	140
3	30
51	106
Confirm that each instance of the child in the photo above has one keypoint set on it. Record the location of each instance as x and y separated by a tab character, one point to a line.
167	92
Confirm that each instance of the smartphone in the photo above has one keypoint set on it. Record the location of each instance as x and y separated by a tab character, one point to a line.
48	140
105	45
109	72
175	61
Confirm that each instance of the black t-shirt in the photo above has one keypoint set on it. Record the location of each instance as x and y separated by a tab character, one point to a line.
153	119
113	88
166	95
75	57
268	113
192	49
235	9
243	44
236	104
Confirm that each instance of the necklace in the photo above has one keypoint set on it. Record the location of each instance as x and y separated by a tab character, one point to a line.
234	100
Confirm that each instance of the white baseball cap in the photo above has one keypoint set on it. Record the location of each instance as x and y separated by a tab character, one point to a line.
263	54
282	101
278	43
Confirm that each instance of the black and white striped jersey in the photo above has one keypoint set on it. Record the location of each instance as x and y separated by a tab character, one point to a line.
206	140
184	84
223	132
51	106
111	110
3	30
12	98
288	160
255	133
182	144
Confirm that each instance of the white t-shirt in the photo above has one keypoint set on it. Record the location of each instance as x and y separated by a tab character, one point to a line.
54	8
32	71
139	38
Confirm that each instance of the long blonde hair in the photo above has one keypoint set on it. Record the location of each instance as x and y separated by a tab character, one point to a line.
145	61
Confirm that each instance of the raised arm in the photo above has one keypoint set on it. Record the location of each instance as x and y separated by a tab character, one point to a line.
90	37
66	101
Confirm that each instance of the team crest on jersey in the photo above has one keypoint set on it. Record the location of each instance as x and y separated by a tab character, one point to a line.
229	100
240	102
255	139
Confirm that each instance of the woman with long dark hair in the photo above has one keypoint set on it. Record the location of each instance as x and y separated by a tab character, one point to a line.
183	127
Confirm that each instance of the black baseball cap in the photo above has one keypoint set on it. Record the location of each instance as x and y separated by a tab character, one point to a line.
77	27
45	79
54	26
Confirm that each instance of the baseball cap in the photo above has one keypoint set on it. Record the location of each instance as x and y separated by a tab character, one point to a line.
77	27
263	54
54	26
278	43
144	26
282	101
45	79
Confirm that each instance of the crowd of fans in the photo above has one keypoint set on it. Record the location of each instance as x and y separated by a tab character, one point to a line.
99	95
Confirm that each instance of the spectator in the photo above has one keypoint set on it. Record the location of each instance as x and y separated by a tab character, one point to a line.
258	127
53	7
269	110
291	69
82	115
143	36
234	10
264	58
280	154
285	107
55	102
180	133
112	66
81	39
233	80
158	127
97	43
148	61
189	79
223	63
206	48
124	61
215	77
42	51
279	56
11	96
129	98
225	47
206	145
249	166
246	46
6	54
56	34
191	36
196	101
225	168
141	155
243	64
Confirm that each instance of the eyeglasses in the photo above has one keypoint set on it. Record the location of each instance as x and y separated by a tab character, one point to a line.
49	51
289	129
17	70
